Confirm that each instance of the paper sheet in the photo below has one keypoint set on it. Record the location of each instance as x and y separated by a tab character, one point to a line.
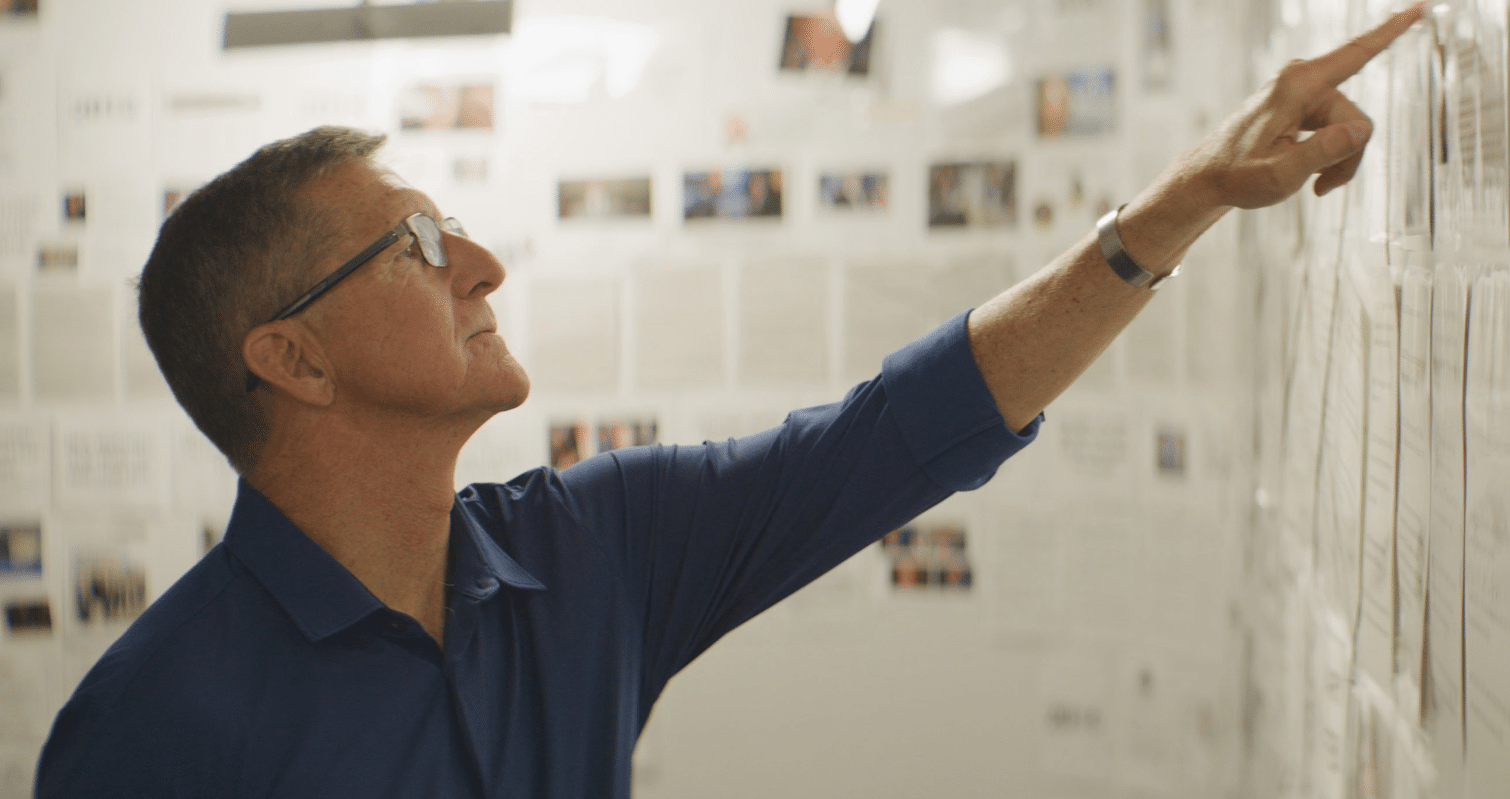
1375	637
1444	624
25	457
679	335
1413	498
1486	596
1340	475
783	323
882	312
114	461
574	334
73	344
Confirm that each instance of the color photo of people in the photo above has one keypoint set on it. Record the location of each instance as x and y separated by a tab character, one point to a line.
854	191
974	194
817	43
732	194
931	556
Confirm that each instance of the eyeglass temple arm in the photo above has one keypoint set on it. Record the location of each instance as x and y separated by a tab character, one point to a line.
330	280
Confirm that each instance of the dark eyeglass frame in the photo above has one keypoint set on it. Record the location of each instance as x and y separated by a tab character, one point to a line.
425	230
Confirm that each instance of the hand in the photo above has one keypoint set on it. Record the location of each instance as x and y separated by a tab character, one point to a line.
1256	158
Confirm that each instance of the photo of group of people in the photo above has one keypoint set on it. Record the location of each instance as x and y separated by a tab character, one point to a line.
928	556
972	194
856	191
1077	103
732	194
574	440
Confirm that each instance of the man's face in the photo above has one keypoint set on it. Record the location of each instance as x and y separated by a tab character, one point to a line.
402	336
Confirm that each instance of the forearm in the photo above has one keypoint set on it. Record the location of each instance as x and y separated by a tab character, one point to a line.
1033	340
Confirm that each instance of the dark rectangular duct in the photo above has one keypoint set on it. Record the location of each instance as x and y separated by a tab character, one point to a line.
364	23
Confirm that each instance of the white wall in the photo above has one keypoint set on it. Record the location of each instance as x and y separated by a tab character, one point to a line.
1099	650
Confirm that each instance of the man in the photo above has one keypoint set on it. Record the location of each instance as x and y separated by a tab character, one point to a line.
364	631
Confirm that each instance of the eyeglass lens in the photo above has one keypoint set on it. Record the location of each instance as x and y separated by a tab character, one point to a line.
427	233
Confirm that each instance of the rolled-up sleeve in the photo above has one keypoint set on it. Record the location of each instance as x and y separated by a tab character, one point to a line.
946	413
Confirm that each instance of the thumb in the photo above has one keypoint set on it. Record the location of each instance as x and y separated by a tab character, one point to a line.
1334	143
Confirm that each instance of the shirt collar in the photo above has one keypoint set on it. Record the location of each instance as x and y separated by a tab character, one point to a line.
319	594
479	564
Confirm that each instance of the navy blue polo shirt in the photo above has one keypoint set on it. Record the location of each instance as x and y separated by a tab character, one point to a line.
269	670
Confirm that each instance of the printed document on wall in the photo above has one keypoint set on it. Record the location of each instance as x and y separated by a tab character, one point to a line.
1443	687
1486	623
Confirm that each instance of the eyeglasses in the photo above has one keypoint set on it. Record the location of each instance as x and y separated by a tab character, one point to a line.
426	232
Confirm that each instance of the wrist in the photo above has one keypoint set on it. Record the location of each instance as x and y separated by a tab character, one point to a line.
1160	224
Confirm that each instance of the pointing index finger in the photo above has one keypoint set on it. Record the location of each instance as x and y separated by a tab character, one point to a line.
1342	63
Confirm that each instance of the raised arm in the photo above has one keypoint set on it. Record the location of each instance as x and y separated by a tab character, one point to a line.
1036	338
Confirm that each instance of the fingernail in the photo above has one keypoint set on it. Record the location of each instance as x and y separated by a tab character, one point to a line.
1357	132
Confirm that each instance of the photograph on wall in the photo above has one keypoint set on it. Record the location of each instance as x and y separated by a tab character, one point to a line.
1077	103
854	191
73	206
570	442
620	433
928	556
28	616
610	198
974	194
732	194
173	195
57	258
1171	452
1158	45
18	8
470	169
109	587
20	549
447	107
819	44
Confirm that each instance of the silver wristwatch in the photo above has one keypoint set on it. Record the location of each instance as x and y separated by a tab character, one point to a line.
1122	263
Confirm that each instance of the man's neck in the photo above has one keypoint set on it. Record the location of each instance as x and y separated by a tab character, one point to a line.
378	501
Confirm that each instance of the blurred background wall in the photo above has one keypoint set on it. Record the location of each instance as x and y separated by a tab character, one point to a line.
715	212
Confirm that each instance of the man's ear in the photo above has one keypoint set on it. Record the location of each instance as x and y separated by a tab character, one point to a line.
285	355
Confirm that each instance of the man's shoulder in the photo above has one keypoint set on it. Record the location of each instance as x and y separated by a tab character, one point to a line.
163	682
183	635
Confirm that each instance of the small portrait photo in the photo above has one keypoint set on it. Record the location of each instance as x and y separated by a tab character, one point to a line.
447	107
28	616
20	549
1077	103
570	442
819	44
975	194
853	191
608	198
1043	216
18	8
108	587
73	206
620	433
953	572
173	195
908	572
903	538
945	538
57	258
732	194
1171	452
